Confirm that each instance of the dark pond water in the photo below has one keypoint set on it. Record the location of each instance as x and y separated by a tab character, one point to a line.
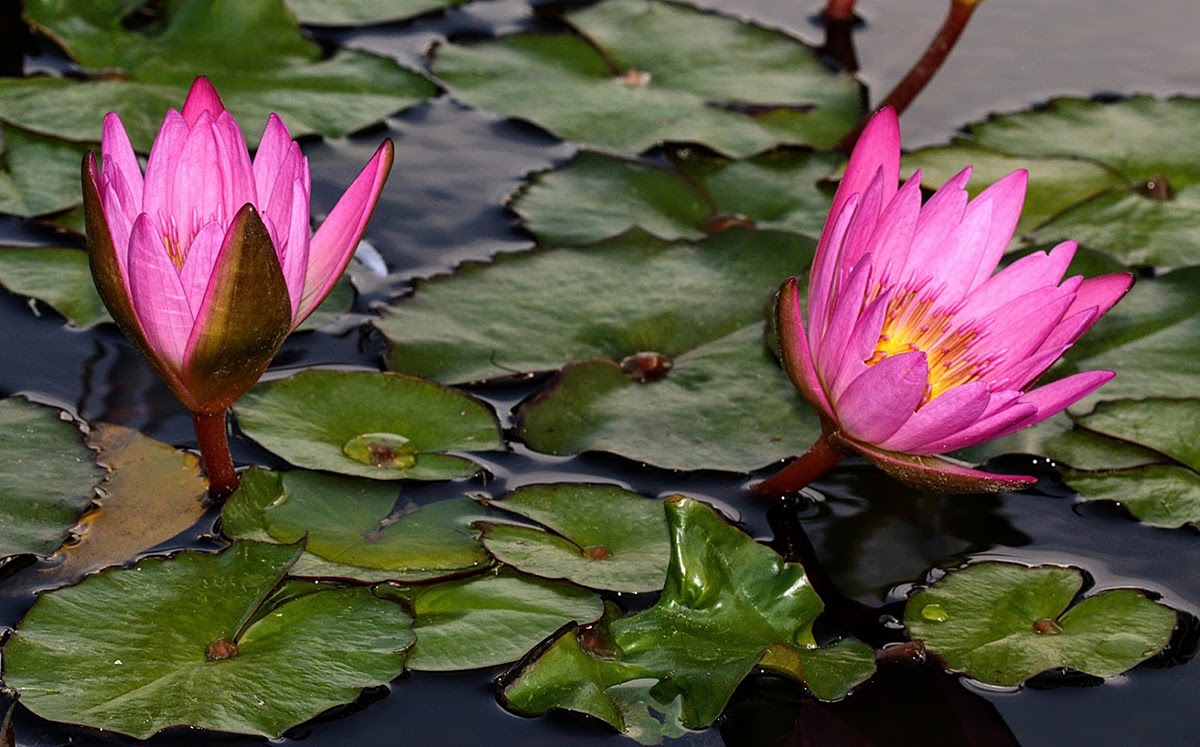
455	166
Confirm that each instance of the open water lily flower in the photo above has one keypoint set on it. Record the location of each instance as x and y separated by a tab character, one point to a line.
206	262
913	344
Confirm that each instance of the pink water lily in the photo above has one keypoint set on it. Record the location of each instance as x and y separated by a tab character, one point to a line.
206	262
914	345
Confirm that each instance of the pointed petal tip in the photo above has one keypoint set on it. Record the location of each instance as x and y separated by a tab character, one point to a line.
202	97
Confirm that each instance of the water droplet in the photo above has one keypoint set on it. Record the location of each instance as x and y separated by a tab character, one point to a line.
386	450
934	613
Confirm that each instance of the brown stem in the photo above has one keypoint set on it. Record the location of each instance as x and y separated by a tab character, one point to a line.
925	68
838	10
819	459
214	452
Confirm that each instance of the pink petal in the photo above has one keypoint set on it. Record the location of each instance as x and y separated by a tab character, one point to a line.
160	169
895	230
1058	395
201	98
943	416
158	296
120	165
197	190
295	247
1021	372
1007	197
333	244
120	225
198	266
876	152
793	346
960	256
984	429
941	475
939	216
846	311
274	152
1029	273
858	234
877	403
1101	292
859	348
237	176
824	268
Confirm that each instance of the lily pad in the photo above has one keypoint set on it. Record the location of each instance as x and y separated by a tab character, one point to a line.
49	479
625	78
378	425
488	620
351	528
539	310
183	641
601	536
253	52
38	175
598	196
1002	623
1162	495
1121	177
57	276
1170	427
725	405
728	604
362	12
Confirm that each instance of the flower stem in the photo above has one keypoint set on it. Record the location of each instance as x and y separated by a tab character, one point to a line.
923	71
838	10
214	452
819	459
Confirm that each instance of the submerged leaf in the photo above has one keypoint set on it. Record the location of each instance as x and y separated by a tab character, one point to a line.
183	641
1002	623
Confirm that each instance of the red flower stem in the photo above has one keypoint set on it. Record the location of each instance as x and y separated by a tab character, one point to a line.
819	459
214	452
925	68
838	10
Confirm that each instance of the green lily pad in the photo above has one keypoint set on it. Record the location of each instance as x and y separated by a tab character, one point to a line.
1121	177
378	425
540	310
728	604
49	480
725	405
38	175
351	529
183	641
601	536
1170	427
488	620
1002	623
625	79
1162	495
57	276
362	12
598	196
253	52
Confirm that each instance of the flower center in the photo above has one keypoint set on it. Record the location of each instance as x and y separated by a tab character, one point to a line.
912	323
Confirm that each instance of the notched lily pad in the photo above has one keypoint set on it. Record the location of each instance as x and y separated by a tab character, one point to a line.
378	425
48	481
1002	623
728	605
1118	176
57	276
624	78
488	620
601	536
598	196
184	640
352	528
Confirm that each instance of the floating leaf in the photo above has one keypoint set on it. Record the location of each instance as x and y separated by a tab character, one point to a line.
626	79
601	536
351	528
378	425
362	12
1162	495
540	310
488	620
1121	177
1002	623
728	604
336	305
38	175
153	492
184	641
253	52
48	480
57	276
1168	426
725	405
598	196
